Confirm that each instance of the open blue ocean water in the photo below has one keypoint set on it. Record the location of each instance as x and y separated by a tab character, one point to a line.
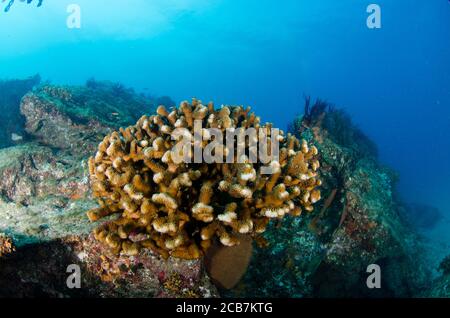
394	81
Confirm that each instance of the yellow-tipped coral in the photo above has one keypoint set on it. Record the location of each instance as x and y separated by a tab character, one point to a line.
181	209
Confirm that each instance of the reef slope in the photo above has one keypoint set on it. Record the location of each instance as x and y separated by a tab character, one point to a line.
44	194
11	122
326	254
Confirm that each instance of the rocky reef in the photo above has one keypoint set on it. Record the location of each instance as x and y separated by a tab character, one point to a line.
441	285
326	254
12	123
45	193
78	117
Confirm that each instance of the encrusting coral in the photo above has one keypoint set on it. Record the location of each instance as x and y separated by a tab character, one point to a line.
181	209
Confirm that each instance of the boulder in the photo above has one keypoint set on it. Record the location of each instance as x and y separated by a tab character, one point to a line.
44	270
76	118
11	121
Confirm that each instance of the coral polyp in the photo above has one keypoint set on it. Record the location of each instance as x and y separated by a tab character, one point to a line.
180	209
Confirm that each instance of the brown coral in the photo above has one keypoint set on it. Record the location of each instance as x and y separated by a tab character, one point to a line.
6	245
179	209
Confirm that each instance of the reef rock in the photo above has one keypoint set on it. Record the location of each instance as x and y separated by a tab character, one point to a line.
41	270
12	123
441	285
440	288
44	194
422	215
358	223
77	117
31	171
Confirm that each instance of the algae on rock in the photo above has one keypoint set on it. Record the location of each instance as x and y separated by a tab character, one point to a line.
77	117
326	254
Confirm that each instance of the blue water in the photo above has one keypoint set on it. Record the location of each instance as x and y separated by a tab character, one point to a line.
394	81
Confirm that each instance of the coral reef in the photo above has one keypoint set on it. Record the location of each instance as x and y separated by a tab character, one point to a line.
11	121
180	209
440	288
44	194
326	121
40	270
6	245
77	117
326	254
30	172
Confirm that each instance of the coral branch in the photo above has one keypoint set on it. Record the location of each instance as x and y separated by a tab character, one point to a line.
181	209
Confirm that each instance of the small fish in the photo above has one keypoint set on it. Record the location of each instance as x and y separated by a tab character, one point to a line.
115	114
15	137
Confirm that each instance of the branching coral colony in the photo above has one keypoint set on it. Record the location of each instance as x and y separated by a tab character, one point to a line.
179	210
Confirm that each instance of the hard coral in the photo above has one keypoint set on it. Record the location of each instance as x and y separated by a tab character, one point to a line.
181	209
6	245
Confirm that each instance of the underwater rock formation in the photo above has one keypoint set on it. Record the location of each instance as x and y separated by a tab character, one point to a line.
32	171
40	270
444	266
441	285
42	210
11	121
326	254
44	193
326	121
77	117
422	215
181	208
